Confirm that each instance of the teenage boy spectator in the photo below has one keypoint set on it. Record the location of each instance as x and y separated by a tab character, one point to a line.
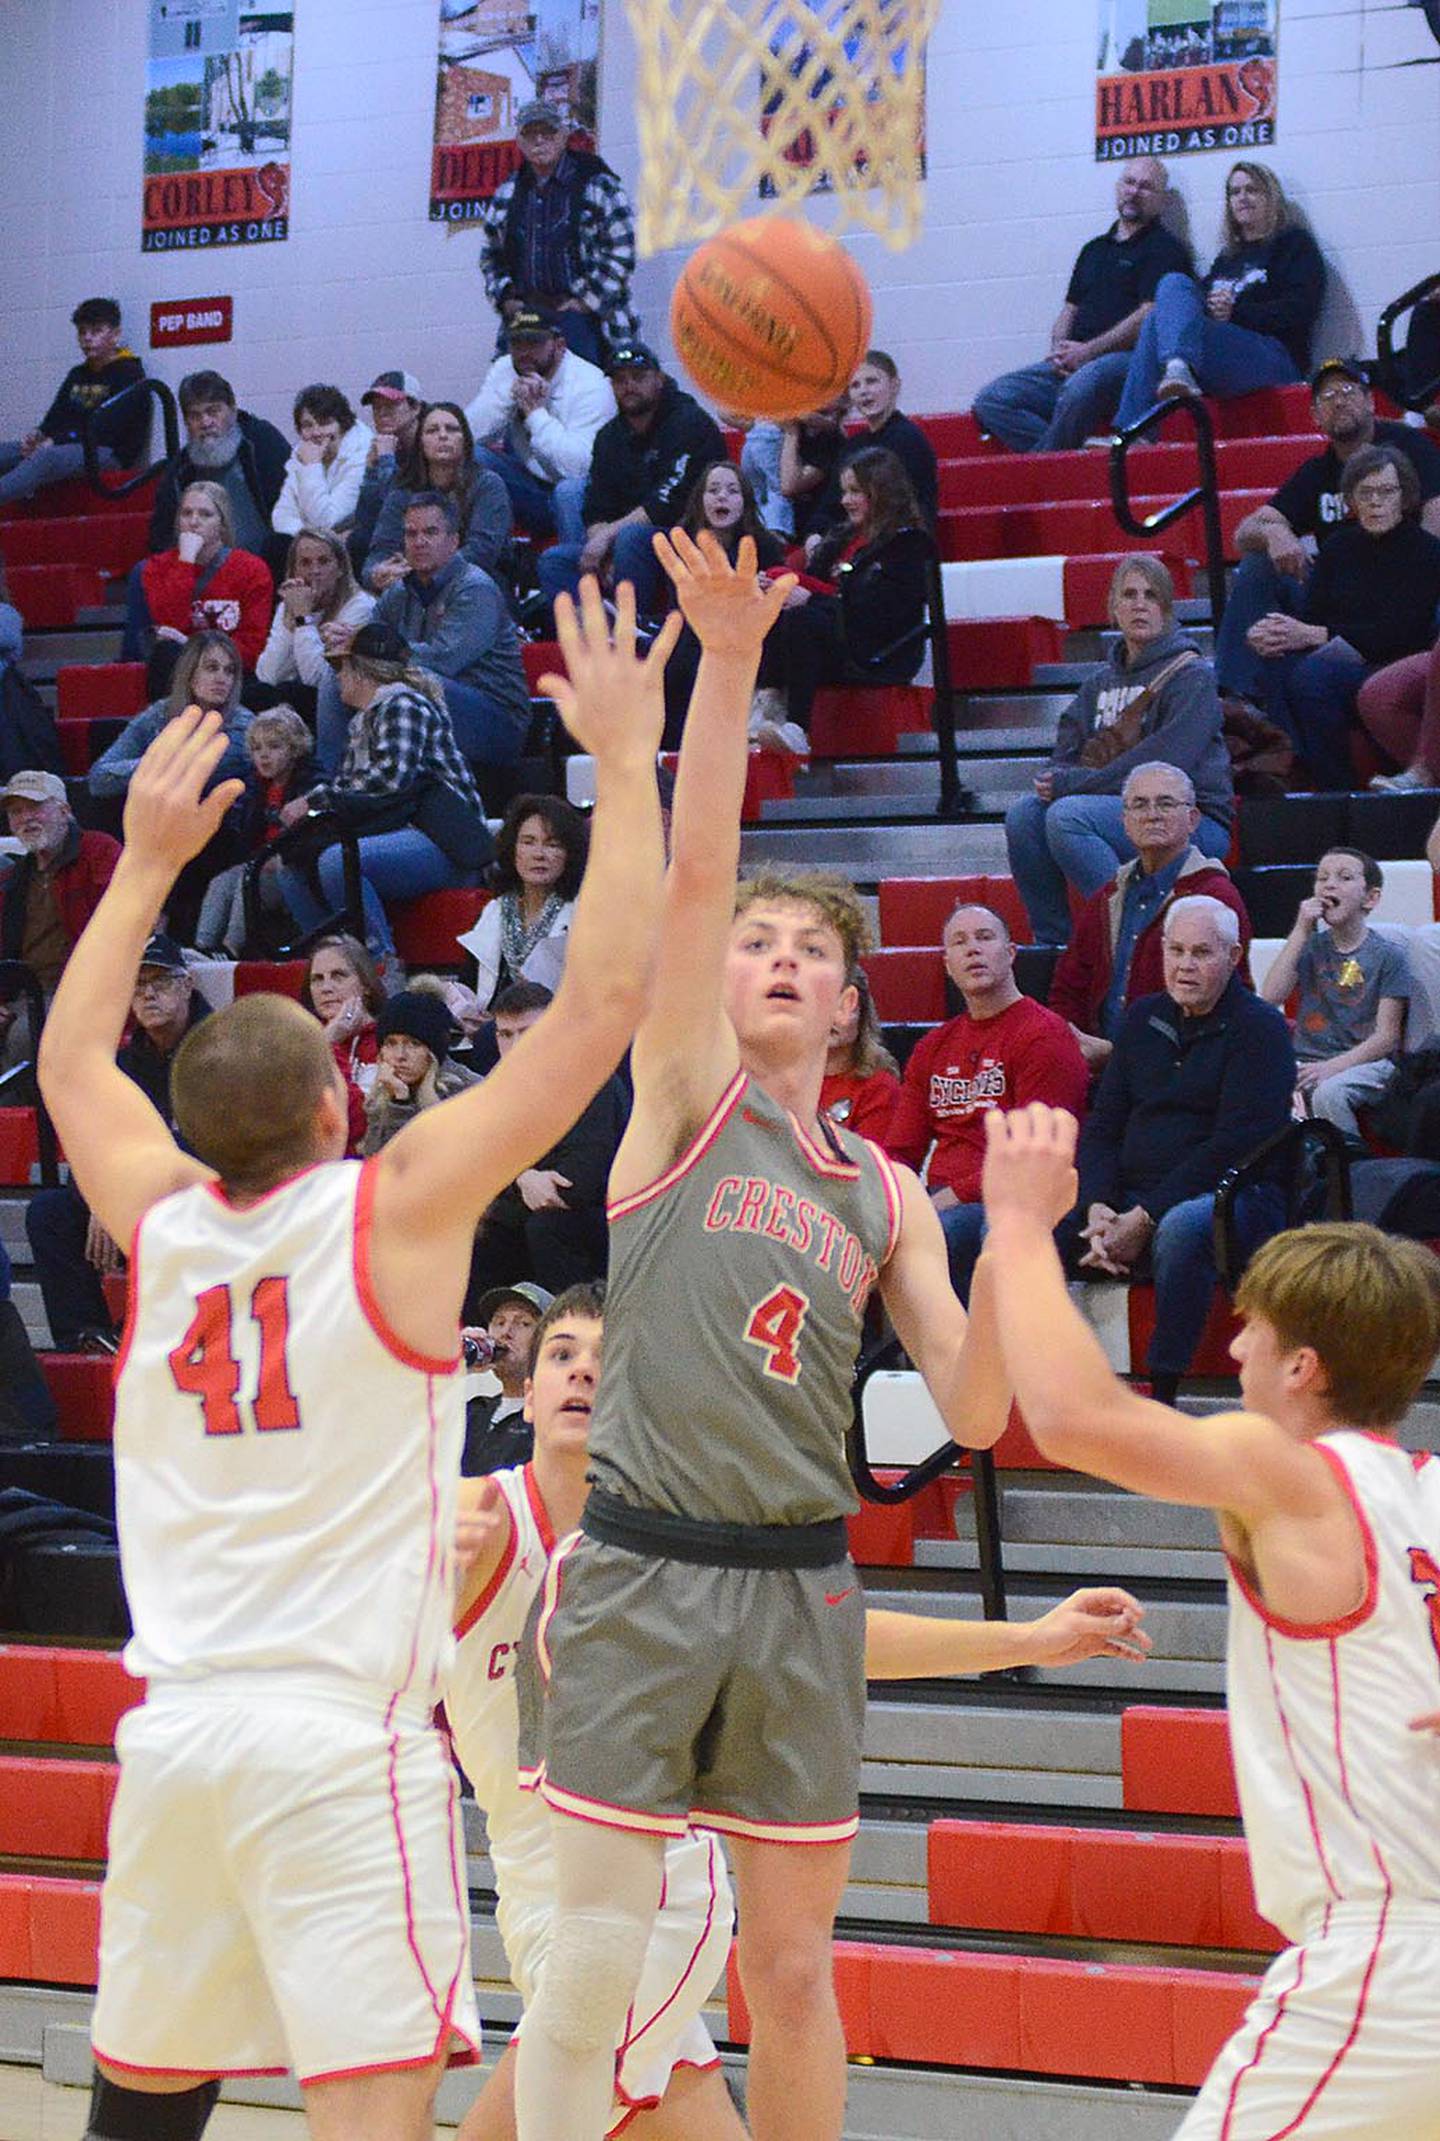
1278	543
243	453
535	420
559	236
645	462
395	401
1003	1051
324	473
48	893
497	1433
875	401
1352	987
1056	404
52	451
1116	949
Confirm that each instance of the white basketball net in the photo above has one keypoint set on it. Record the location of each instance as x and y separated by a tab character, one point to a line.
744	98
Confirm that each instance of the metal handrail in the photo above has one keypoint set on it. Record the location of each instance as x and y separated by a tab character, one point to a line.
17	978
1206	493
1296	1152
170	423
350	917
1389	369
956	800
947	1458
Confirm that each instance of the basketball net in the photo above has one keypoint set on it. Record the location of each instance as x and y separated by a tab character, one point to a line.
780	100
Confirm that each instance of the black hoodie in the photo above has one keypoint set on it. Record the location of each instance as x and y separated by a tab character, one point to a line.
655	468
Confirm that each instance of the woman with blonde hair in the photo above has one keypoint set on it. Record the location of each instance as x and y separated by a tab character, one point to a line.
1247	322
319	607
202	584
208	675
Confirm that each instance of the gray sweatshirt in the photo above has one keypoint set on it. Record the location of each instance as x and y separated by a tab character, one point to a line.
1181	725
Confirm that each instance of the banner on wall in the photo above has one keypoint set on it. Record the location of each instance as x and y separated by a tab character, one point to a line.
217	125
874	54
494	56
1178	76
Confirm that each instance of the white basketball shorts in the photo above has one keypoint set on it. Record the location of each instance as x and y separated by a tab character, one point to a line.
285	1887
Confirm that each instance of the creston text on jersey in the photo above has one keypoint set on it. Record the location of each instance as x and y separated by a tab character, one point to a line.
751	1204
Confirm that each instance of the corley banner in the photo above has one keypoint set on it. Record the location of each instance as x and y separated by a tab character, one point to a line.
217	124
496	55
1177	76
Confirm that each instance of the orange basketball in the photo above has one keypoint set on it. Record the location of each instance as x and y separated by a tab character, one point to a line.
770	318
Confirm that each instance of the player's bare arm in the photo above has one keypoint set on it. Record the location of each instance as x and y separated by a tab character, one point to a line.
959	1356
1098	1623
685	1050
121	1152
1280	1507
484	1528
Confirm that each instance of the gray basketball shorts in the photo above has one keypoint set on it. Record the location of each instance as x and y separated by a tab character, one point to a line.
683	1694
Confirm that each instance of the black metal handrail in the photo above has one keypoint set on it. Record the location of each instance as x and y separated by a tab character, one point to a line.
1390	371
19	979
956	800
170	423
947	1458
1299	1155
1206	493
349	918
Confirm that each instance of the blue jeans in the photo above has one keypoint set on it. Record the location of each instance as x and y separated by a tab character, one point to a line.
541	508
963	1226
760	461
632	558
22	478
1226	359
393	866
1255	591
1039	410
1182	1257
1077	840
1312	697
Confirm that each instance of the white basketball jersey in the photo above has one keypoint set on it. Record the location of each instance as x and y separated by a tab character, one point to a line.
285	1466
1341	1800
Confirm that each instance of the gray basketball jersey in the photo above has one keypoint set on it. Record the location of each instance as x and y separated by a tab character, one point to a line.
738	1282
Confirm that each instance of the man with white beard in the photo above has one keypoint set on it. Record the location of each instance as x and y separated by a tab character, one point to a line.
229	446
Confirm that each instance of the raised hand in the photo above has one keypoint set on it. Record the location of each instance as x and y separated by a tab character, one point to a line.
482	1521
728	607
611	697
1030	1163
1103	1623
168	816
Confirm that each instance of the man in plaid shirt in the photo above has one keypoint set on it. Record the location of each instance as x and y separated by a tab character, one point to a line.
559	237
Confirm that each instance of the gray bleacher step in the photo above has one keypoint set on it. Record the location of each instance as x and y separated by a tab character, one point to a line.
101	616
1082	1512
1065	1745
867	853
1012	709
26	1295
977	1783
994	782
1133	1566
12	1230
45	652
1188	1635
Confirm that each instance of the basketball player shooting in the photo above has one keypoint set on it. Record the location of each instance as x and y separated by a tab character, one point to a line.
707	1648
285	1884
1332	1535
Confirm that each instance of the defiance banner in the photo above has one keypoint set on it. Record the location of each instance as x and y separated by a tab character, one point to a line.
217	125
495	56
1178	76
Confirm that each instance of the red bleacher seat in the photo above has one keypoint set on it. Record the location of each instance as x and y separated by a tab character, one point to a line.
1087	583
936	2006
907	984
853	1962
956	432
64	1930
76	755
75	496
48	596
1166	469
111	542
1211	1355
19	1146
914	910
769	778
54	1809
278	977
85	691
867	720
539	655
426	929
74	1698
82	1385
1206	2009
1000	653
1266	412
1176	1761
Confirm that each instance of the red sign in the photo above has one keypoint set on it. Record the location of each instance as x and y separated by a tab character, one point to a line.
178	320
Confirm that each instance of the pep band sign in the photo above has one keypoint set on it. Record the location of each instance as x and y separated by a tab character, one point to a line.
1176	77
217	125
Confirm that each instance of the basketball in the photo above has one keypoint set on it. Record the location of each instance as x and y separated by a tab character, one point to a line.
770	318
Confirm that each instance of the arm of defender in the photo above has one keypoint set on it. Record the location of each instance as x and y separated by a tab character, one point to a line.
1102	1623
121	1153
959	1356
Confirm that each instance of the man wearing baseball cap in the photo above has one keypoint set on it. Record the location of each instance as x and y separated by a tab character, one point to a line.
558	237
496	1431
535	419
1279	542
48	894
395	400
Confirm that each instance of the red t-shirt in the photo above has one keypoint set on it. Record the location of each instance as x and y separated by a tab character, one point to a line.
960	1071
863	1104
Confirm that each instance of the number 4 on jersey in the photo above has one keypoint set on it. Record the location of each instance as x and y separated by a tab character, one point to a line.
204	1364
775	1325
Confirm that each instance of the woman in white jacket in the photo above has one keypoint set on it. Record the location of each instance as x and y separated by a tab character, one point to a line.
540	854
318	593
324	473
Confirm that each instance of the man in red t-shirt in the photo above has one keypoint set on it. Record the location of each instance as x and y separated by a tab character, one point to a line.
1004	1051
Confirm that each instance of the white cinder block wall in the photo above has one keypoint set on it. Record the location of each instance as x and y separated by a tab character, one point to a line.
365	280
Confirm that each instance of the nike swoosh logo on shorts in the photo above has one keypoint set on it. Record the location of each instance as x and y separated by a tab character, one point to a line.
834	1598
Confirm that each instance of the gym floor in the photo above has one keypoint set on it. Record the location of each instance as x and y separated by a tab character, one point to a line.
36	2110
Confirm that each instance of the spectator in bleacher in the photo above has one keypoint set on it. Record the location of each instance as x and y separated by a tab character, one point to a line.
1003	1051
324	473
861	1086
1116	949
52	451
1056	404
1352	989
860	615
73	1253
395	402
559	236
283	767
208	674
243	453
1373	597
441	459
536	419
810	450
723	502
1279	542
47	894
1154	697
319	603
540	853
1200	1076
549	1225
344	990
497	1434
204	583
642	471
875	400
1247	322
401	786
1399	708
413	1070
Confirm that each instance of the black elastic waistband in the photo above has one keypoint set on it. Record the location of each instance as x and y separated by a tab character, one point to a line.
721	1546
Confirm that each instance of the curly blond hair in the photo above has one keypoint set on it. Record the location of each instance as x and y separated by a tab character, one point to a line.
832	896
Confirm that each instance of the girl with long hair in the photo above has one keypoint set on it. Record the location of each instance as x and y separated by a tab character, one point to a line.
441	457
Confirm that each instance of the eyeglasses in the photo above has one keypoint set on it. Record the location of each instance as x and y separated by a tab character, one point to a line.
1375	494
1338	389
1139	806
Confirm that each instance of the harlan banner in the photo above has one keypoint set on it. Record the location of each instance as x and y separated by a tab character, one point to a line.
217	124
1175	76
496	55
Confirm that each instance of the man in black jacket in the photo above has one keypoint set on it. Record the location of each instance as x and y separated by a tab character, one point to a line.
52	451
646	460
1200	1076
244	454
